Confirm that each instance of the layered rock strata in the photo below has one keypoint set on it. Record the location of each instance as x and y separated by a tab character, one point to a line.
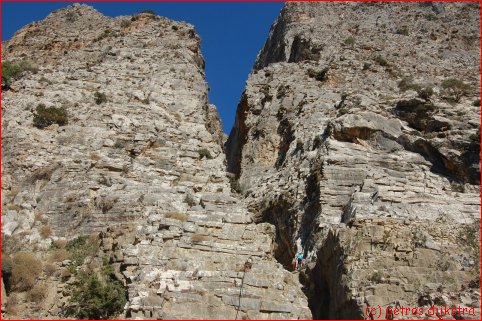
357	136
140	164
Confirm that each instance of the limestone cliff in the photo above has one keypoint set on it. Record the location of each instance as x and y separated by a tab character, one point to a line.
137	164
356	142
357	136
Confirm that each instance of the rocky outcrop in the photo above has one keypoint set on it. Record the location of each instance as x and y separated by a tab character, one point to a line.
140	164
356	142
350	139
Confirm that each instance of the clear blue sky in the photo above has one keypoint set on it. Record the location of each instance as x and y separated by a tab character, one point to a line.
231	33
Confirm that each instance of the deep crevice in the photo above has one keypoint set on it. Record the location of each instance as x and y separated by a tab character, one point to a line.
324	285
237	138
286	132
279	214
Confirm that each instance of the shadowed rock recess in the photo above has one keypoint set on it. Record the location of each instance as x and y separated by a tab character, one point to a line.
356	142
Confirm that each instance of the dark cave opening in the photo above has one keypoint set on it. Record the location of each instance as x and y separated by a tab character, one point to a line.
279	214
318	293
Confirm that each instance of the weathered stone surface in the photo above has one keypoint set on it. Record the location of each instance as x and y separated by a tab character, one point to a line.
145	168
336	152
337	145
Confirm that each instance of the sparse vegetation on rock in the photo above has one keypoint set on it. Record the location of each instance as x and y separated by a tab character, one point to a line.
455	88
26	268
320	75
82	247
97	294
338	164
350	41
204	153
14	70
100	98
380	60
46	116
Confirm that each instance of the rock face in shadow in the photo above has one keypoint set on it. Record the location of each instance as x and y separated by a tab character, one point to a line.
351	138
140	165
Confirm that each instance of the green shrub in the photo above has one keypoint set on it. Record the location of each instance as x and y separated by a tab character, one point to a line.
342	111
407	83
403	31
97	296
381	61
12	71
319	75
125	23
457	187
455	88
425	92
376	277
80	248
45	117
350	41
44	80
100	98
470	238
203	152
430	17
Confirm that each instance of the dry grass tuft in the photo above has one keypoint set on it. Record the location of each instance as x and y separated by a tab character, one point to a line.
49	269
26	268
45	231
59	255
37	294
94	156
198	238
177	216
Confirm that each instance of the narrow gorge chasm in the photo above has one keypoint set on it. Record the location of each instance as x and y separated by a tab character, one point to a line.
356	147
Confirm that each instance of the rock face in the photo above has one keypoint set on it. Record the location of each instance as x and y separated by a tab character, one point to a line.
141	163
357	136
356	142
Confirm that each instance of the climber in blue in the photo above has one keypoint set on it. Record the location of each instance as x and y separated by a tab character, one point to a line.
300	258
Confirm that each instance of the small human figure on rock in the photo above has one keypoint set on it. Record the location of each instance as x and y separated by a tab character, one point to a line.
293	264
300	258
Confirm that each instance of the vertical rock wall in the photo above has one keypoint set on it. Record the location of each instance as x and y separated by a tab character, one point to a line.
353	139
142	166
